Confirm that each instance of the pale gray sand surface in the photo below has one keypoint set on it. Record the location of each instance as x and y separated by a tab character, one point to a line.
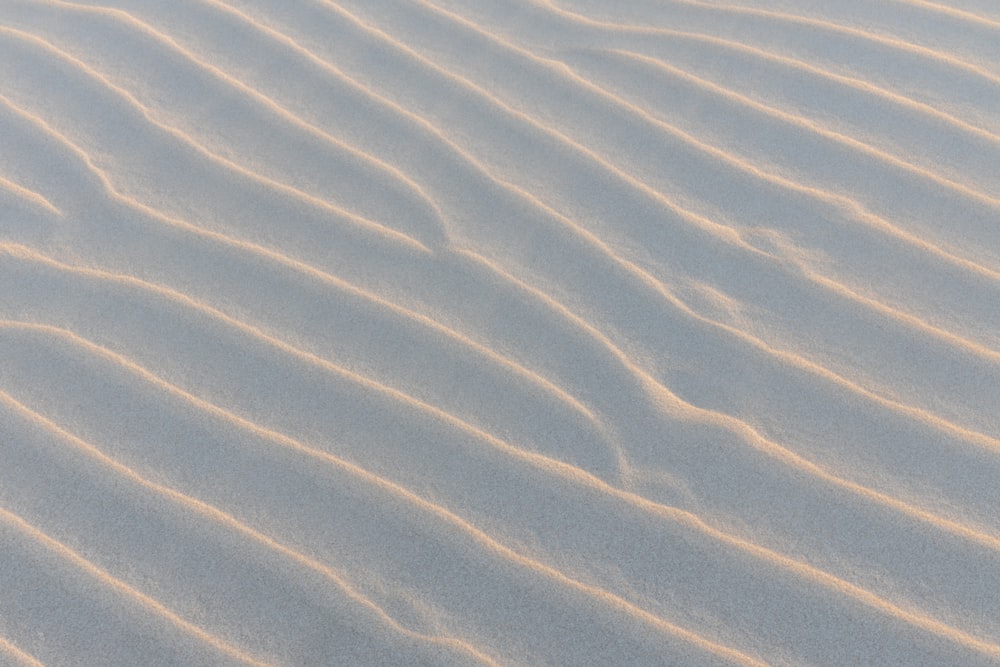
504	332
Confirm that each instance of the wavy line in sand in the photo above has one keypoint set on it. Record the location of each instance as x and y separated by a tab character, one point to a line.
837	288
761	53
330	280
484	540
833	285
860	214
935	8
656	390
113	583
910	320
27	254
471	160
712	226
208	511
578	476
196	147
18	655
806	124
557	68
651	385
835	199
794	359
259	98
952	11
828	581
748	433
30	196
850	142
986	645
785	356
828	26
824	282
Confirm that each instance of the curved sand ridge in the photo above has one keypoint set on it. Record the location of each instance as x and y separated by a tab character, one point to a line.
503	332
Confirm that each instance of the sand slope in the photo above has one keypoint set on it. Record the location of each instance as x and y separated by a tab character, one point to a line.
504	332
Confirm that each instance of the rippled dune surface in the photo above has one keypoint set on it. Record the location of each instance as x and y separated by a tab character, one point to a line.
500	332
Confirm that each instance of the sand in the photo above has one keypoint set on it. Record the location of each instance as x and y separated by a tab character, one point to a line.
500	332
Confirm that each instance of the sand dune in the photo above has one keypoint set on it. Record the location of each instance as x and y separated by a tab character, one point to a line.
503	332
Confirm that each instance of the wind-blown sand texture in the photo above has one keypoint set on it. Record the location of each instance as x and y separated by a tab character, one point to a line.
500	332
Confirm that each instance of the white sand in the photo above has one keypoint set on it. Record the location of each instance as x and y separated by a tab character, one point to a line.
514	332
